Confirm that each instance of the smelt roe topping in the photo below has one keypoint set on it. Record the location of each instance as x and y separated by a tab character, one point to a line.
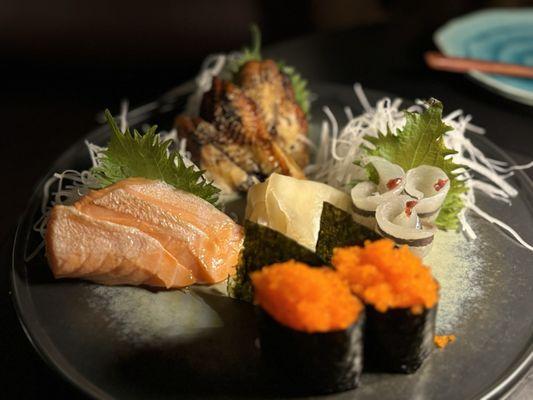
305	298
387	277
444	340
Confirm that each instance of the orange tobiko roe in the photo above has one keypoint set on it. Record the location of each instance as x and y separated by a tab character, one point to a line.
305	298
444	340
387	277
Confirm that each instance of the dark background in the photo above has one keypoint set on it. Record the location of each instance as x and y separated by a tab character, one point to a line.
61	62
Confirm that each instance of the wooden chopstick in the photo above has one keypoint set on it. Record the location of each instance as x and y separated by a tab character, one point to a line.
440	62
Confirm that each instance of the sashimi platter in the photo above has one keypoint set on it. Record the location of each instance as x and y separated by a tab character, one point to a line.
253	235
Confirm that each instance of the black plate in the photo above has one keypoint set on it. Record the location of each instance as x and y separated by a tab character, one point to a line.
133	343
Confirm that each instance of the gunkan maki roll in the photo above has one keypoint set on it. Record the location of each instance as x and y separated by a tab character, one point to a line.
401	298
310	328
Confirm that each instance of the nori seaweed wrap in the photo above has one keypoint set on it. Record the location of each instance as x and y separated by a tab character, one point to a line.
264	246
338	229
401	299
398	340
320	362
310	328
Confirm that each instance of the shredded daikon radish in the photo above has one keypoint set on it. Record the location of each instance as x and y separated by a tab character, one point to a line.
338	150
490	190
124	115
512	167
501	224
62	188
172	135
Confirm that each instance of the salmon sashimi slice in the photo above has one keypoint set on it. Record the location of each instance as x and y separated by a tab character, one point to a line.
121	207
197	234
81	246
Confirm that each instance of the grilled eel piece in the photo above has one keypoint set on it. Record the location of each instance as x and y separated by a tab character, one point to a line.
271	90
201	143
242	132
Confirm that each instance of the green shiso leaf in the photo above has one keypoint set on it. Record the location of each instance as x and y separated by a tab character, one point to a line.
264	246
421	142
302	94
338	229
371	172
252	53
373	175
134	155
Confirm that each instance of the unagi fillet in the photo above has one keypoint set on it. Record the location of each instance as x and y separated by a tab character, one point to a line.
229	165
264	83
236	118
140	231
227	175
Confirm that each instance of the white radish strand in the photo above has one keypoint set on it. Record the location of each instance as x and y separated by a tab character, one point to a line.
490	190
123	115
465	226
361	96
348	112
515	167
501	224
95	152
71	186
487	173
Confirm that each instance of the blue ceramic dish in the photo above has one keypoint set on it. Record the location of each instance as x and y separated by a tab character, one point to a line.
502	34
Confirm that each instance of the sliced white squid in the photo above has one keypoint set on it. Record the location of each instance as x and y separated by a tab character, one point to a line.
367	196
398	220
429	185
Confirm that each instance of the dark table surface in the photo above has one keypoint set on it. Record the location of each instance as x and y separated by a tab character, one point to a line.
45	108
